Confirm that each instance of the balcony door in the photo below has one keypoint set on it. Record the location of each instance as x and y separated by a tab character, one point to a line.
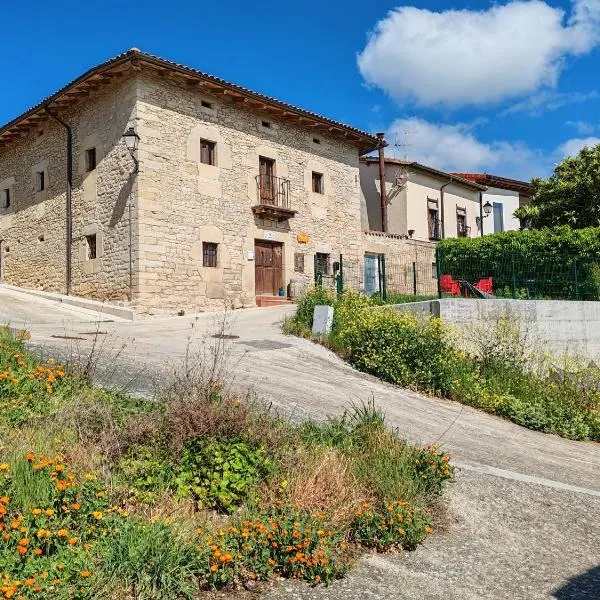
267	180
268	265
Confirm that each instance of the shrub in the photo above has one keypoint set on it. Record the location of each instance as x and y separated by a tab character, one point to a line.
221	474
391	525
29	389
542	263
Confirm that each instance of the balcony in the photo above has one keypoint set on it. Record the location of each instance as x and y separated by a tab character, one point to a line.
463	230
435	229
273	198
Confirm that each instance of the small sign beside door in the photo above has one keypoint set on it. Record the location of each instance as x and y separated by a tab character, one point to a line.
250	254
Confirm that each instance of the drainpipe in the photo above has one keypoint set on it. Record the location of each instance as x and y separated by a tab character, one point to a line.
69	199
443	220
383	196
481	212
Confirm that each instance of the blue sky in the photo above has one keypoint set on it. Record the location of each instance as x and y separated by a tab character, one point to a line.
504	88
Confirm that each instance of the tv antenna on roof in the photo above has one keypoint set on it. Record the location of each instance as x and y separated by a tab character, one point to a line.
405	143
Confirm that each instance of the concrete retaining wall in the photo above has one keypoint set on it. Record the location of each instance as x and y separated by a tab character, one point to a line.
563	326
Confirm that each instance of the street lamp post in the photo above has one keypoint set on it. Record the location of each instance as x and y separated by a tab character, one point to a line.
132	140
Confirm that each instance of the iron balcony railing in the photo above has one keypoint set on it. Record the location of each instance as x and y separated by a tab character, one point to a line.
463	230
273	191
435	229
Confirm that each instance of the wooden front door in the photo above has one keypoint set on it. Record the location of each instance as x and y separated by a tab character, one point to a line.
268	264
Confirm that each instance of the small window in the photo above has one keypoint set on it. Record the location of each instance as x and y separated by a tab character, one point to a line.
317	182
206	104
266	124
207	152
322	263
90	159
6	198
40	181
434	270
41	238
316	141
91	249
299	262
209	254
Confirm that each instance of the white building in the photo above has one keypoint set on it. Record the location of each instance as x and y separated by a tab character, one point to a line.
501	199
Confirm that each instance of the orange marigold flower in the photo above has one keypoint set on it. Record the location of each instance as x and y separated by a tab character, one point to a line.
49	512
214	568
30	456
5	499
37	588
72	541
75	506
38	551
42	533
55	581
85	574
36	511
21	550
97	515
29	581
87	546
6	536
23	542
4	468
62	533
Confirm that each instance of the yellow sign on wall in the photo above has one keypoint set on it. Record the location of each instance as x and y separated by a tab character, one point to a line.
302	238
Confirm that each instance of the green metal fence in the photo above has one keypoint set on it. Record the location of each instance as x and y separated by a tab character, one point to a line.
552	277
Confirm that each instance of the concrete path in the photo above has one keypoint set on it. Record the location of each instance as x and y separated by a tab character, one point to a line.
524	512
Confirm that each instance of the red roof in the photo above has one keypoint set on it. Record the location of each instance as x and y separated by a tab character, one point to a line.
496	181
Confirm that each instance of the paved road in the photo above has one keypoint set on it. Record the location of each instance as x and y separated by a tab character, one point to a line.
524	512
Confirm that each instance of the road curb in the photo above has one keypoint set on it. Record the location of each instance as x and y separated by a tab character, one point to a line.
120	312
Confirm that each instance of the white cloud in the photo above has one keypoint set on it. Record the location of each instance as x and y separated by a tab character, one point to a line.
573	146
548	100
455	148
582	127
465	57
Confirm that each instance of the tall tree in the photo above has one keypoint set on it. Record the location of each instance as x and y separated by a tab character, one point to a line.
570	196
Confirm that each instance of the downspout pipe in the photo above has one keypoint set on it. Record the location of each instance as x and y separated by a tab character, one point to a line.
443	220
69	197
481	212
382	192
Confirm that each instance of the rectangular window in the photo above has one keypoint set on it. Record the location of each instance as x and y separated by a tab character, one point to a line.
207	152
266	124
6	198
90	159
209	254
498	218
40	181
434	270
317	182
206	104
322	263
433	224
461	225
299	262
90	246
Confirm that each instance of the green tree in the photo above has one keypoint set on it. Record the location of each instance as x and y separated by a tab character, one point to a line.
570	196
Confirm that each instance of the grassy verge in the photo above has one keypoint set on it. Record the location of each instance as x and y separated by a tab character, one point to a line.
496	369
109	497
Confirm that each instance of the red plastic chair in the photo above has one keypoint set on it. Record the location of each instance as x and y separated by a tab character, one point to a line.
449	286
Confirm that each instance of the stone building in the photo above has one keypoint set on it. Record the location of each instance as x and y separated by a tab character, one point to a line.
236	193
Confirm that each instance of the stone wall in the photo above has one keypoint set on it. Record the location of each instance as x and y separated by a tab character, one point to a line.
183	203
33	229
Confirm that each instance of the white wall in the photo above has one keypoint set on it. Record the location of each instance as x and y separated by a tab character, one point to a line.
510	202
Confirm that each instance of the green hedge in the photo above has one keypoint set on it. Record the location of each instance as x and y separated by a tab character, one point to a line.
557	263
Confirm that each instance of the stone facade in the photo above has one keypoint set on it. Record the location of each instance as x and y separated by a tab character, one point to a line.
33	228
183	203
139	237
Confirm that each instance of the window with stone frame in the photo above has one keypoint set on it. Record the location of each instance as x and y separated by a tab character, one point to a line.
299	262
40	181
317	182
91	250
322	263
209	254
90	159
208	152
5	198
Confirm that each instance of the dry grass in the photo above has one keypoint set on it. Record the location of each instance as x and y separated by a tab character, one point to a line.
322	480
